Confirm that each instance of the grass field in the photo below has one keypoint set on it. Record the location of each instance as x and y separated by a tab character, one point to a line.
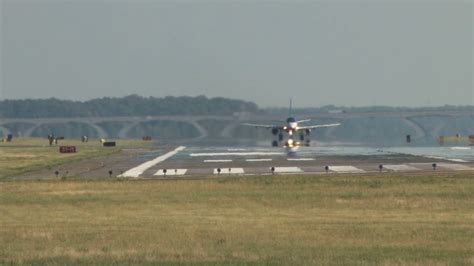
29	154
289	220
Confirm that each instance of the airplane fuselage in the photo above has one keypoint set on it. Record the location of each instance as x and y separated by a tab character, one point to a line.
291	125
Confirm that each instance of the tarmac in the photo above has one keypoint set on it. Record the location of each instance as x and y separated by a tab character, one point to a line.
170	162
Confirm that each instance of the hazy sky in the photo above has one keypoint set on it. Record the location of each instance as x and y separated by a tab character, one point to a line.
410	53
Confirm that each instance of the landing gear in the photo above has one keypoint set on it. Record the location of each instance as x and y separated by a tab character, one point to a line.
280	137
302	137
293	140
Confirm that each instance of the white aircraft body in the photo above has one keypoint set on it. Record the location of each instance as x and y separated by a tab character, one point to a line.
292	127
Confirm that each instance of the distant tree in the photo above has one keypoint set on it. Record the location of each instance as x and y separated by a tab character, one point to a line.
132	105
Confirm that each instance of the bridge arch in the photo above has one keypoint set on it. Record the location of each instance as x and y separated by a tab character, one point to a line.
164	128
68	130
5	131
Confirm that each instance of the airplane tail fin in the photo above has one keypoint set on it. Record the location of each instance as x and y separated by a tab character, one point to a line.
289	111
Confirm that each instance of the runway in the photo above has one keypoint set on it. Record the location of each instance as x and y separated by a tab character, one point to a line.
198	161
195	162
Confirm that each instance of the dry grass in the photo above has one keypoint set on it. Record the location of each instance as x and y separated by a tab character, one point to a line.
29	154
297	220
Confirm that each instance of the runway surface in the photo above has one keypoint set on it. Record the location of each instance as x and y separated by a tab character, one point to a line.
194	161
189	161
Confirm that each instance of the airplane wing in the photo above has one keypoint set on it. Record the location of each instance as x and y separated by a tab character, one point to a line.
260	125
318	126
303	121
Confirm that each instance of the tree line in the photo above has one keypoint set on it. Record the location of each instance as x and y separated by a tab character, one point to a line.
132	105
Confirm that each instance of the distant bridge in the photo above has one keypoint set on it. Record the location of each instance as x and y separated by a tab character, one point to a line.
127	124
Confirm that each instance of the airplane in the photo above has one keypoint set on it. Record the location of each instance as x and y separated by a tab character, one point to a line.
292	127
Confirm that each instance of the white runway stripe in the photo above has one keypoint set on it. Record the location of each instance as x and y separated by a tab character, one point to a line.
258	160
172	172
345	169
217	161
447	159
212	154
137	171
300	159
460	148
232	171
453	166
287	170
458	160
400	167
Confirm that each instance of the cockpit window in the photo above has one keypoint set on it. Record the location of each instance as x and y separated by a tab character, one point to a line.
291	120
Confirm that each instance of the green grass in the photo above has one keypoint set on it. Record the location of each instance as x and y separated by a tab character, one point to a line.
29	154
289	220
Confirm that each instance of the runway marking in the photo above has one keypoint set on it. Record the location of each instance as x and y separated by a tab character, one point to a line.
345	169
300	159
453	166
171	172
137	171
400	167
232	171
457	160
217	161
212	154
259	160
447	159
288	170
460	148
